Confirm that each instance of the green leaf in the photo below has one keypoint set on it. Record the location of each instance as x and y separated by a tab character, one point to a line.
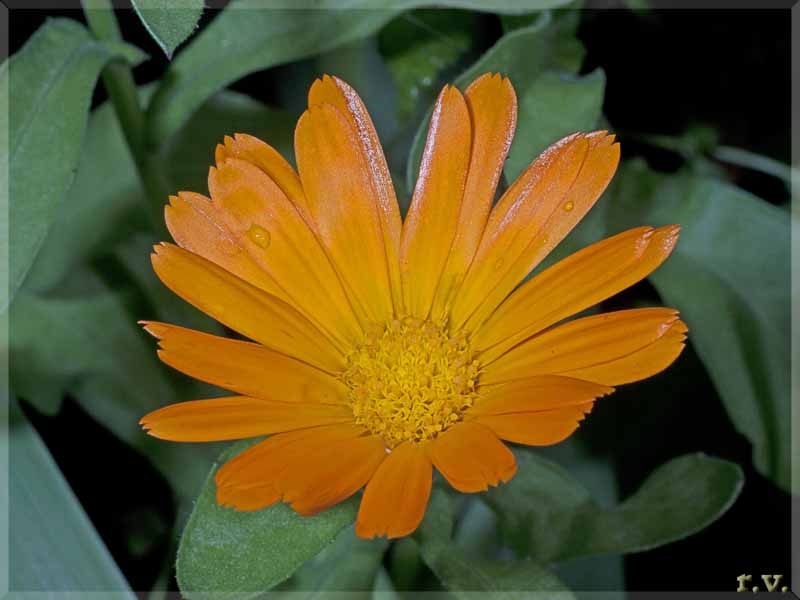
169	22
53	544
729	277
539	60
50	82
546	514
244	554
242	40
502	579
98	211
252	35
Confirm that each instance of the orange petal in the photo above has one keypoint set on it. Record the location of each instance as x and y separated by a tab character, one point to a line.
574	284
532	394
236	418
194	223
257	465
492	106
325	476
471	457
541	428
275	235
246	481
344	207
396	497
313	469
334	91
433	218
244	307
265	157
610	348
244	367
534	215
251	498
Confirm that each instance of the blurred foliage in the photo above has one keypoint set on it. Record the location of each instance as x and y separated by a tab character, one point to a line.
55	545
80	240
464	576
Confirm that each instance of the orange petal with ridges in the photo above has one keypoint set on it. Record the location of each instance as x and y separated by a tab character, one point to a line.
275	235
194	223
243	307
602	348
246	499
265	157
542	428
311	468
539	209
324	476
342	202
641	364
334	91
256	465
236	418
533	394
433	217
471	457
574	284
492	106
244	367
403	482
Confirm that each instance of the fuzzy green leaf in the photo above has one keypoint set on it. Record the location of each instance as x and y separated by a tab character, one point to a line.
169	22
549	516
228	553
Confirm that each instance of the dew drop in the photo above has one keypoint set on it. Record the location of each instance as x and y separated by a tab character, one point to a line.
569	206
498	264
259	236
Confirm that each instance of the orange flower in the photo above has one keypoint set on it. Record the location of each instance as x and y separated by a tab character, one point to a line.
383	348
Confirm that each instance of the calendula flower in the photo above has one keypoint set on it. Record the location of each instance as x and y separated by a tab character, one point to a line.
383	348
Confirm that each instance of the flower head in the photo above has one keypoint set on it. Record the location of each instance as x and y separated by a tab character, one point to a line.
383	348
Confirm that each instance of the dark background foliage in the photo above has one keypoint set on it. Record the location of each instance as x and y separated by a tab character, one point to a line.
723	76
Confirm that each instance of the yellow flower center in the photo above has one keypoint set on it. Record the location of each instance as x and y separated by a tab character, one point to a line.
411	380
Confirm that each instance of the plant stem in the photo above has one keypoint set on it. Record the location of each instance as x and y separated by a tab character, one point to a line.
121	88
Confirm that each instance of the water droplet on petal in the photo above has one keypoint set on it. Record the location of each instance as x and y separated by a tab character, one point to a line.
569	206
498	264
259	236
